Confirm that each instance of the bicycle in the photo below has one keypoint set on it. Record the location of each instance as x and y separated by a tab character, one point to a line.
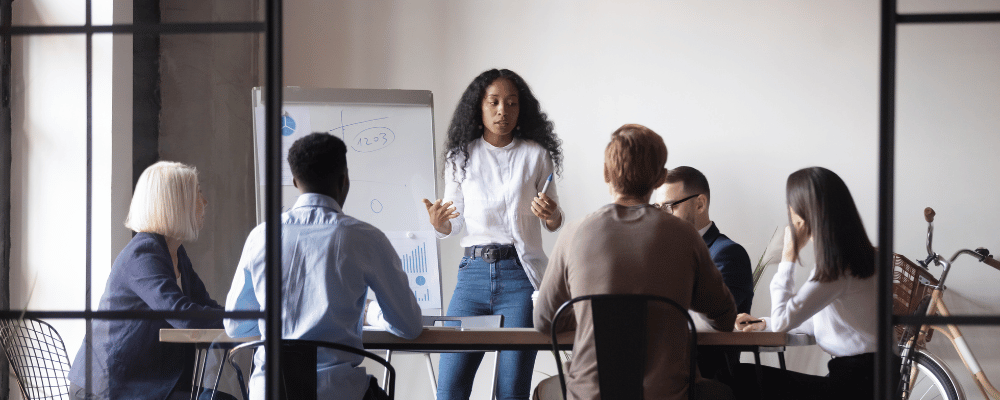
916	291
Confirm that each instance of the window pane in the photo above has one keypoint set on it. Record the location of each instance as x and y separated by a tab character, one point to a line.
954	6
49	12
48	174
211	11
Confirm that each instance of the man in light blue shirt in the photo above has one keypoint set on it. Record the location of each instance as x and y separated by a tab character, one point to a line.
329	261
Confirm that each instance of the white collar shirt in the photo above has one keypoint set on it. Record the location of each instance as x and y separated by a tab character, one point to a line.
493	198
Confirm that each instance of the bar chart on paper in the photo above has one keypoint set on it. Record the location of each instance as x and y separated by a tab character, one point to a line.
416	261
418	255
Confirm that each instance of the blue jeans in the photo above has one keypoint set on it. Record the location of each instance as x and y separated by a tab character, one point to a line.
488	289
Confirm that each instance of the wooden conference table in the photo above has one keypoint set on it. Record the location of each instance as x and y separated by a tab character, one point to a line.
486	339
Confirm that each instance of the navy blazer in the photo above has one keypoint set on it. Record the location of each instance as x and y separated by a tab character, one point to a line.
129	362
734	264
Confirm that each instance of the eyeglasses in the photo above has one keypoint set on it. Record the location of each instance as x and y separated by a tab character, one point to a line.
669	207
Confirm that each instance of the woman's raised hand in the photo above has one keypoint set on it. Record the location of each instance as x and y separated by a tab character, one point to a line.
441	215
790	253
744	324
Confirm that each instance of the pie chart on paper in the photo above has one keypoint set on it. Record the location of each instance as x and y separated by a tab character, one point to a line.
287	125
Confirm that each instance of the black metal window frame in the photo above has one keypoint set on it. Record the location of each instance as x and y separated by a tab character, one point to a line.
890	20
271	28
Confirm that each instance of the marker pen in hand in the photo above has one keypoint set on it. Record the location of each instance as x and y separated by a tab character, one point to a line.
547	181
752	321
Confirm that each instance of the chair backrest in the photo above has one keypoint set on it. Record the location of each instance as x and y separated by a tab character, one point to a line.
298	379
620	341
479	321
38	357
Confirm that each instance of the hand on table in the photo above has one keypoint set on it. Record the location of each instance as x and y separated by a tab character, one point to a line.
749	327
441	215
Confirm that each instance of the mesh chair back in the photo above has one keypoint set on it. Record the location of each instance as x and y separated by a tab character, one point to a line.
298	367
620	341
38	357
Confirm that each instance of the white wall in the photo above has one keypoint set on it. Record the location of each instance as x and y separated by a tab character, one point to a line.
746	91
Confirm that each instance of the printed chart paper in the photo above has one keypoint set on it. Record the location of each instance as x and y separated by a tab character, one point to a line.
417	253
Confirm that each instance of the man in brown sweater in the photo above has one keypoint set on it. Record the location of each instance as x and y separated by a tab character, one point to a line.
630	246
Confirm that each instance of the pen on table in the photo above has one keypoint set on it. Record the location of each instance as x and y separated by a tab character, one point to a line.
547	181
752	321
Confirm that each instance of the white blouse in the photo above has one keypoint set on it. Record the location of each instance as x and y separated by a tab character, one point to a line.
493	198
842	314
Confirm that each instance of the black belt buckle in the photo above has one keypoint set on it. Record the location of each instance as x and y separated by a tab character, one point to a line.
492	254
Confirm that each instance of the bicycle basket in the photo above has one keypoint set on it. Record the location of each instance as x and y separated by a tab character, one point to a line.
910	284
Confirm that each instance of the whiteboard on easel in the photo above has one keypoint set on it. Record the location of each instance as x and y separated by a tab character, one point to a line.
390	159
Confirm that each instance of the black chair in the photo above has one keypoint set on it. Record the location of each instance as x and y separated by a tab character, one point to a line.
38	357
298	367
620	341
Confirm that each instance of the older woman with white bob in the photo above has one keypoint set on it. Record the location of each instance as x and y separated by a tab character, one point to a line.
152	273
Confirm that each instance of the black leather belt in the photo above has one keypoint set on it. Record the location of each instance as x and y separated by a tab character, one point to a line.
491	252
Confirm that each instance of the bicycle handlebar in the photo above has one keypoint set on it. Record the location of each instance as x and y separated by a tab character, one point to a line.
929	217
981	254
989	260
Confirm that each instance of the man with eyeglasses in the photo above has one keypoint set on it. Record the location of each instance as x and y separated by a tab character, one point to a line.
687	197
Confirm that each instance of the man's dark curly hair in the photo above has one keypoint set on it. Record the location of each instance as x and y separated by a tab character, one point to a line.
316	158
467	123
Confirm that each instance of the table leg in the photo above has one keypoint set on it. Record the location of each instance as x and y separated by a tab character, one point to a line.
385	374
760	371
196	376
781	359
218	377
729	364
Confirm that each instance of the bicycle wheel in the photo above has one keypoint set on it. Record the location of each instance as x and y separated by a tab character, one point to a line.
932	382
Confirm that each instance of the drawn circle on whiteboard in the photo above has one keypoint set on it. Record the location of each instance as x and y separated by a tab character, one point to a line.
376	206
372	139
287	125
421	280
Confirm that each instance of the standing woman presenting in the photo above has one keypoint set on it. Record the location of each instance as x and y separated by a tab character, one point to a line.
501	150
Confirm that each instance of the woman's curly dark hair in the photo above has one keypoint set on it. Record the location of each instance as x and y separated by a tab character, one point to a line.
467	122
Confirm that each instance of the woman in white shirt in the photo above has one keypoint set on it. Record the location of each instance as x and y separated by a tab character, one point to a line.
501	151
837	303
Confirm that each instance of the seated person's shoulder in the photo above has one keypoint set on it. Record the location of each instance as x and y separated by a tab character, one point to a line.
678	228
727	244
351	228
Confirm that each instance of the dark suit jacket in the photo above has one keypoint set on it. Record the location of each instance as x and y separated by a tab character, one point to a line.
734	264
128	361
